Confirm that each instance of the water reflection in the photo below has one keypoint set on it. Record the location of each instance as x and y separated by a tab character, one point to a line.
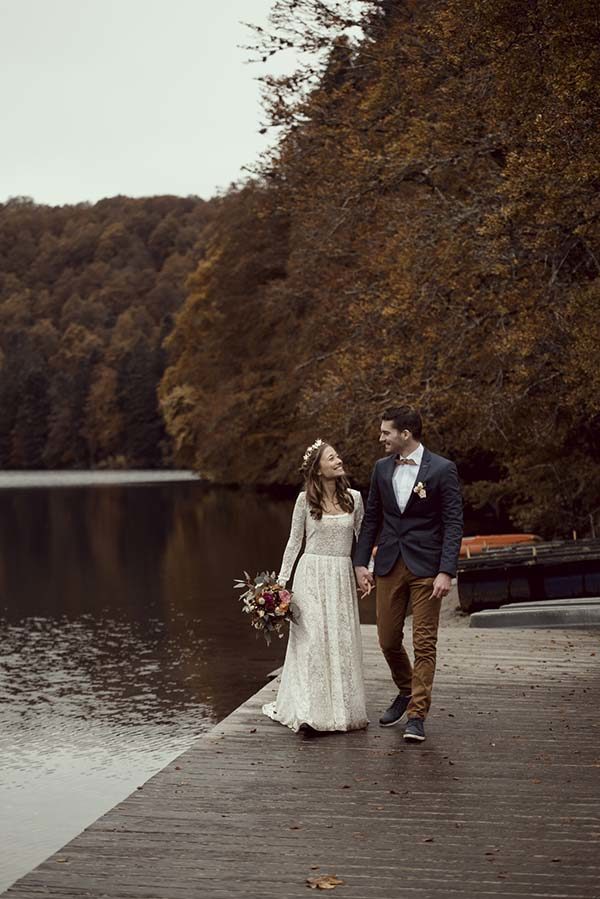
121	641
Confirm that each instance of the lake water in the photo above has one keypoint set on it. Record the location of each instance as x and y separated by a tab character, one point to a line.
121	639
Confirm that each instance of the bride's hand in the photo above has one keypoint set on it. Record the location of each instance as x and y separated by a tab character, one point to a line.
364	579
366	589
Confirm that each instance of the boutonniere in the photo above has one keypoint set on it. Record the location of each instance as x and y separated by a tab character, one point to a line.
420	490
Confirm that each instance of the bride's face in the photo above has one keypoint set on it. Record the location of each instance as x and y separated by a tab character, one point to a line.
331	466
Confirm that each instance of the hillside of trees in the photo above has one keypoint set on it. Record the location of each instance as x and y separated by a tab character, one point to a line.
87	295
427	231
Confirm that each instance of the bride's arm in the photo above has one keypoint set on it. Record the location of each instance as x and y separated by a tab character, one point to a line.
359	514
294	543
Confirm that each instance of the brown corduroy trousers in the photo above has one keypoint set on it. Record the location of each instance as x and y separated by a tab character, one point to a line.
394	590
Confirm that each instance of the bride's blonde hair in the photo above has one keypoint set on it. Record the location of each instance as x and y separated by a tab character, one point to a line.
313	486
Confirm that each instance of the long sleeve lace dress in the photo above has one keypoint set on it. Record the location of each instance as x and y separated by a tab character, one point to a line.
322	679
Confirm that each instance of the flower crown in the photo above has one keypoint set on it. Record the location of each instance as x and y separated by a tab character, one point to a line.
310	451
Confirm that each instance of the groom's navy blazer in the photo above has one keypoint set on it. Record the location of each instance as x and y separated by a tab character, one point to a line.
427	534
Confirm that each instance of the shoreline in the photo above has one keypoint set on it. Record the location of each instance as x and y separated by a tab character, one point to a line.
94	478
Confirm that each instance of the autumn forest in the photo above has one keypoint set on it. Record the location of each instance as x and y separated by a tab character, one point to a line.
425	231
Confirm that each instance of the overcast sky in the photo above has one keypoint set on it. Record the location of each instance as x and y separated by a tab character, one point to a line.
136	97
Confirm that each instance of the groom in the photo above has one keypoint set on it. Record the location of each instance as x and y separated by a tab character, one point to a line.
414	513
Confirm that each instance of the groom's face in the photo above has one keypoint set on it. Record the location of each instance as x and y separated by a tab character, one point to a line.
394	441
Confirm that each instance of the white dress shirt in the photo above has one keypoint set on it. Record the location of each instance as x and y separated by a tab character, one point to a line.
405	477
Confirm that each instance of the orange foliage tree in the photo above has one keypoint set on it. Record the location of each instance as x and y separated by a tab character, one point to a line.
426	231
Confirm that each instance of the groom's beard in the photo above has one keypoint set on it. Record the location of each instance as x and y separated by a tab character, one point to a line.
393	451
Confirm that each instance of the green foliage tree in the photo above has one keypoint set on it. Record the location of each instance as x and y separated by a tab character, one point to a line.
81	289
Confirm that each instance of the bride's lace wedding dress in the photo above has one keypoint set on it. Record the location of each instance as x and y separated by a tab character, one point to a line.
322	679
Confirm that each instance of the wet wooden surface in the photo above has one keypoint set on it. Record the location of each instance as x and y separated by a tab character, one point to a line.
503	798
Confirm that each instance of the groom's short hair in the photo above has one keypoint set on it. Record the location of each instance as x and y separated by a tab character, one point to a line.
404	418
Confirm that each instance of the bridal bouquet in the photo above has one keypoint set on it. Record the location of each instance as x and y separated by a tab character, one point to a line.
267	603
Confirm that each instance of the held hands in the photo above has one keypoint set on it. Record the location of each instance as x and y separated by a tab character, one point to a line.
366	582
364	579
441	586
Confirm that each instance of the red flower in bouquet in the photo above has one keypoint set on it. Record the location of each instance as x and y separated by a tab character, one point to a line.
267	602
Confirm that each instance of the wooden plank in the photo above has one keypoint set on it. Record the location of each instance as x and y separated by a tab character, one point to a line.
502	799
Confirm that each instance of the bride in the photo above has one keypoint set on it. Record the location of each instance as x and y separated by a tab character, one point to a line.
322	679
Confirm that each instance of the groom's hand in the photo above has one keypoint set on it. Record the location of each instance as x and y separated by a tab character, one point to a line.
441	586
364	579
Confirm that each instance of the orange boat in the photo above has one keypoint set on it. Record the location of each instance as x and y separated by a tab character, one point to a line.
473	545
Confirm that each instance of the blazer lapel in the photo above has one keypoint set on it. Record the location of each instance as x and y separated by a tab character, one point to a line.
390	468
421	475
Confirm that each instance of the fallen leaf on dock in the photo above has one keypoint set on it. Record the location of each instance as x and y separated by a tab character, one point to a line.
324	882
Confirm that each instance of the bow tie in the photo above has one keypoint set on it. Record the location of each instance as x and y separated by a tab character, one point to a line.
401	461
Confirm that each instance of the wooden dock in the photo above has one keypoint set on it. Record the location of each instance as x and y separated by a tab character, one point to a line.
502	800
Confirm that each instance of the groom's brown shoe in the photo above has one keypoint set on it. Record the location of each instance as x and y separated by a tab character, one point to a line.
396	711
